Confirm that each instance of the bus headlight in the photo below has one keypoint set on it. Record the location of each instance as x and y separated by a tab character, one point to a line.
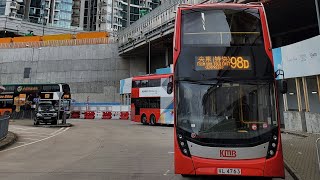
185	151
38	115
271	152
55	114
273	143
183	144
275	137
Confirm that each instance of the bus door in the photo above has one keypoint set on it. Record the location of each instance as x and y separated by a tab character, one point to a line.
137	106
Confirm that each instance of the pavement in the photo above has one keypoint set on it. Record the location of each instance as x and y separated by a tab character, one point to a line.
8	140
300	155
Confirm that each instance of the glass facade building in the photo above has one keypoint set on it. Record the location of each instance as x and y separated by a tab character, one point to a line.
64	13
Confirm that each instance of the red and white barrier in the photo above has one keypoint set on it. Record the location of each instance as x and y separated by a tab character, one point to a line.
120	112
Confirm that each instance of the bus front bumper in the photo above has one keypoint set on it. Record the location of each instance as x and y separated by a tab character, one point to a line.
261	167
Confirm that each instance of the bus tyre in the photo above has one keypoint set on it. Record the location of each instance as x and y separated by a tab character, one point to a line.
152	120
144	119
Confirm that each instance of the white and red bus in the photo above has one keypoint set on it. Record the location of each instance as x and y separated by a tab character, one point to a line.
226	106
150	102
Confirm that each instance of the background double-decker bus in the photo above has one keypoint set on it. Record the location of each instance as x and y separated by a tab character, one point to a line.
150	102
226	108
23	97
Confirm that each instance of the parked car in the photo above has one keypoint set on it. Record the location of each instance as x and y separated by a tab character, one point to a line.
45	113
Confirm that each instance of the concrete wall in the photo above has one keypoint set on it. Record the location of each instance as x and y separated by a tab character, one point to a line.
295	121
91	70
138	65
313	122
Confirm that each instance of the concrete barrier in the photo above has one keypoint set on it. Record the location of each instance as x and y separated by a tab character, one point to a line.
4	125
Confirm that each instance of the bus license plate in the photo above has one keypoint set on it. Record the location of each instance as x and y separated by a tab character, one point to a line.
232	171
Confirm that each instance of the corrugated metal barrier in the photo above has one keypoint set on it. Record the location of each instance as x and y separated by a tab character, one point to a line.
4	125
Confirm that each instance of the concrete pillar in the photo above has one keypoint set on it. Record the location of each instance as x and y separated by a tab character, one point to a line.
285	102
26	9
298	94
167	57
305	92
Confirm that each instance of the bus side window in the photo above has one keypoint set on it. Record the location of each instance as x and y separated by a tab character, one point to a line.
144	83
154	83
136	84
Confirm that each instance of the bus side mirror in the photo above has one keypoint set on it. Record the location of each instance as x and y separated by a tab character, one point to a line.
170	85
283	86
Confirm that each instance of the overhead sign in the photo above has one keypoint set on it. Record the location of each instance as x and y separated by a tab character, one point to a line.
222	62
27	88
299	59
6	96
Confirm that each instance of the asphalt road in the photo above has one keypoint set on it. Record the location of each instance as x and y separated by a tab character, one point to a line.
91	150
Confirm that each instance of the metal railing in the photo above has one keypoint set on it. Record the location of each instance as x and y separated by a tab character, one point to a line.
158	21
4	125
71	42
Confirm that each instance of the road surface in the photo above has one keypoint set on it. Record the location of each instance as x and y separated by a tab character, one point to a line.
95	149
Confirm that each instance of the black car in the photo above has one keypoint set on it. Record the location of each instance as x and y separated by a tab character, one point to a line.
45	113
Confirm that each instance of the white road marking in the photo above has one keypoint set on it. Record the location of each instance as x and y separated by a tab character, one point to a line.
57	131
24	132
166	173
24	129
21	142
30	139
32	135
35	141
170	152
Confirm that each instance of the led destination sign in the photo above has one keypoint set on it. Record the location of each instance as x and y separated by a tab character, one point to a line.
222	62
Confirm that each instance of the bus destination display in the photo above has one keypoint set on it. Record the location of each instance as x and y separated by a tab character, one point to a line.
222	62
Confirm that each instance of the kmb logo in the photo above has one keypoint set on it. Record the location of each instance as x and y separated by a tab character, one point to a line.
228	153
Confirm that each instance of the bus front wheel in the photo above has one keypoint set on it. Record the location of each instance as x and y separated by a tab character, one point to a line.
152	120
144	119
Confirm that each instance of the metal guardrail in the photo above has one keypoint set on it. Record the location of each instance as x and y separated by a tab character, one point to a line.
4	125
71	42
318	151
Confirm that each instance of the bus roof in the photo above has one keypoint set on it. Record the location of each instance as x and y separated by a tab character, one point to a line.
151	76
237	5
29	84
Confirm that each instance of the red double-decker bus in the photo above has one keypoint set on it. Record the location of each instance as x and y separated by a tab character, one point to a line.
226	107
150	102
